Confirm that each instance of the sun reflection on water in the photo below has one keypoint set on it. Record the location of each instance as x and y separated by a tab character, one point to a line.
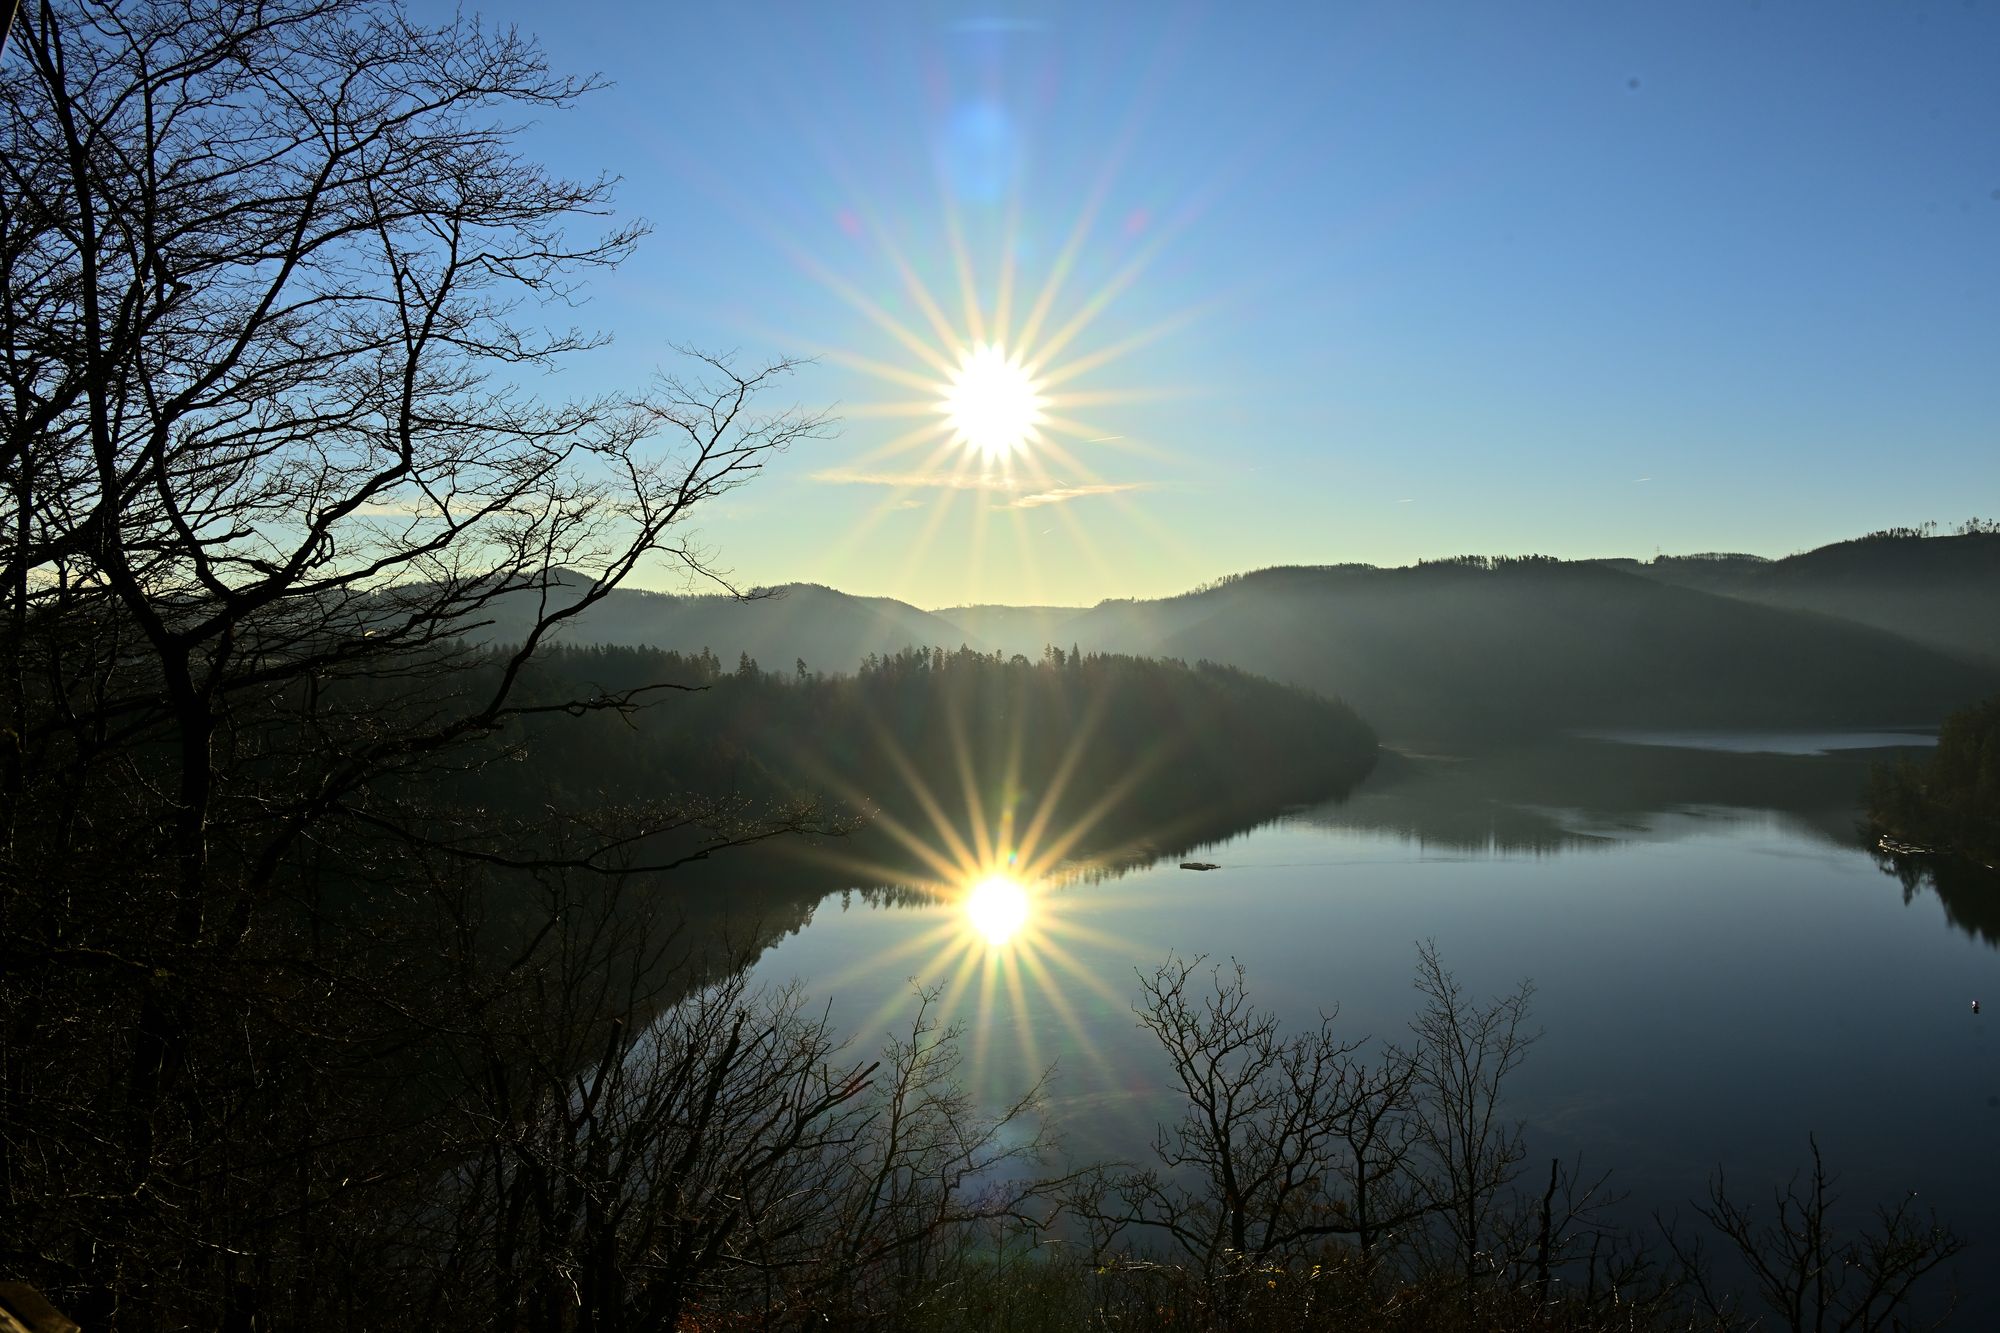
998	907
1005	884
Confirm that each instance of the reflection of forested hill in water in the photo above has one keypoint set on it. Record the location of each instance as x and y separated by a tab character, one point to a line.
1561	796
1569	794
933	757
758	895
1969	894
1575	795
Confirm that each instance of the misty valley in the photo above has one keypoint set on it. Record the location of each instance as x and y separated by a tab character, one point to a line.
1616	880
979	666
1727	969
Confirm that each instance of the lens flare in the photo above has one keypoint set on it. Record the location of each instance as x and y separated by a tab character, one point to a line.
997	907
993	403
1008	887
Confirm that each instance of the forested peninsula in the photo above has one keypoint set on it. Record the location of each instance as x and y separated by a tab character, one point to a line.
1097	749
1950	803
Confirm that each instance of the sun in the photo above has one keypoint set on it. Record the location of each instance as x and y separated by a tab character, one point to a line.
997	907
993	403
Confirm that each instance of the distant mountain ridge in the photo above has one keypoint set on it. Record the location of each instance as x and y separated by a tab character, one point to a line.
830	631
1024	629
1450	651
1879	631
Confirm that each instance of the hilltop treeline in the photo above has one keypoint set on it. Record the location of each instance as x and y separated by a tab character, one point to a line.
1105	746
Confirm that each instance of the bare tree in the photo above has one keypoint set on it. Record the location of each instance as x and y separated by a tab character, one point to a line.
929	1178
1462	1056
1392	1165
1806	1269
287	517
1566	1254
1379	1132
274	284
639	1141
1286	1142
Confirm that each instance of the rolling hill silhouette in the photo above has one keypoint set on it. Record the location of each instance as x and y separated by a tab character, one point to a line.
830	631
1870	633
1459	650
1020	629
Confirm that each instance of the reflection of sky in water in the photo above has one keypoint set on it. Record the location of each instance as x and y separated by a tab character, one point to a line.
1713	985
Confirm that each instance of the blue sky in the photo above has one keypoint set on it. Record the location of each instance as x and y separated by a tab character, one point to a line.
1347	282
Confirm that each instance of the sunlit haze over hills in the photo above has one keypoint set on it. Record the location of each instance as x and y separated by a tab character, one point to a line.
1333	283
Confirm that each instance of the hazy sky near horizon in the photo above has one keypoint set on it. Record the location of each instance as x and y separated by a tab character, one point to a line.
1320	283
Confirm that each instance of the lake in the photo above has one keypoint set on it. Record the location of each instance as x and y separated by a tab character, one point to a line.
1721	965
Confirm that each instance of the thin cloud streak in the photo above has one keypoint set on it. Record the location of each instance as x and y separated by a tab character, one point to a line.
942	481
995	483
1064	494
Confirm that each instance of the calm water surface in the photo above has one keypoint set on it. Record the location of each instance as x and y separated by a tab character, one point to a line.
1720	964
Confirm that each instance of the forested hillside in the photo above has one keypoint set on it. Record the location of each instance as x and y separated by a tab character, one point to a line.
830	630
1460	650
1943	591
1103	747
1896	628
1476	648
1508	647
1013	629
1951	800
